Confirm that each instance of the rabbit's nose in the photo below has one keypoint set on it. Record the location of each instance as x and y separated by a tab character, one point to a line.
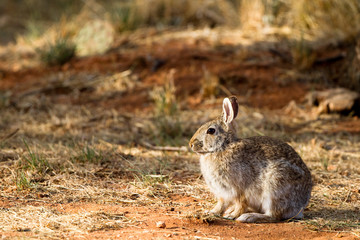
192	143
195	143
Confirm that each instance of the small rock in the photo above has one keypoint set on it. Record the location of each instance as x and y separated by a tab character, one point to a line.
134	196
336	100
160	224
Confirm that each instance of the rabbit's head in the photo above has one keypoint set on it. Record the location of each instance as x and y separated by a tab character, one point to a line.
215	135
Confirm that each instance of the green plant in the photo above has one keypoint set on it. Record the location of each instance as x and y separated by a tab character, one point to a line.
35	161
88	155
58	53
325	162
22	181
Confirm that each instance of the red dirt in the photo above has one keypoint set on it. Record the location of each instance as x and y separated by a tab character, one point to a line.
183	228
348	125
179	227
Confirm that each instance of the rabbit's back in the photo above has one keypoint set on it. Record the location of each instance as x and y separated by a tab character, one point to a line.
263	159
268	172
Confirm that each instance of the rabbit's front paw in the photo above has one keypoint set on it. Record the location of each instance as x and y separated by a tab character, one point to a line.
234	211
229	211
216	210
219	208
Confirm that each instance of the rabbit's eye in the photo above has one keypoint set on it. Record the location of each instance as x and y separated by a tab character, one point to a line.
210	131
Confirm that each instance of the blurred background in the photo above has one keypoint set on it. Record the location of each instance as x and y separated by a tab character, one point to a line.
165	56
79	28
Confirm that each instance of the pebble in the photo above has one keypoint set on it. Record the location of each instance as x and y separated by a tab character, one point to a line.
160	224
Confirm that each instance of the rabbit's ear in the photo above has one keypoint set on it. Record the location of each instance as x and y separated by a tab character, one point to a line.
230	109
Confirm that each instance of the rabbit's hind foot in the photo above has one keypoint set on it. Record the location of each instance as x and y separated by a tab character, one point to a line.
255	218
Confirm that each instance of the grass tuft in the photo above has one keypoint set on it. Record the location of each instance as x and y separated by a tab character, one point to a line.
35	161
88	154
165	98
58	53
22	181
166	112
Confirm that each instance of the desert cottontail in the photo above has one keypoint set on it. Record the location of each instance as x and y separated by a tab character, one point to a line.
256	179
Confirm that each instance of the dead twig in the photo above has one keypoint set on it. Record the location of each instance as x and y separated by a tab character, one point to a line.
10	135
164	148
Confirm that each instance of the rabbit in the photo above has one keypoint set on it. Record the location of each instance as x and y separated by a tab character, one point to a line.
255	179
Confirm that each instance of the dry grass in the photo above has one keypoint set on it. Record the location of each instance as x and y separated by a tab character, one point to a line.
44	221
164	13
71	156
167	129
326	19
